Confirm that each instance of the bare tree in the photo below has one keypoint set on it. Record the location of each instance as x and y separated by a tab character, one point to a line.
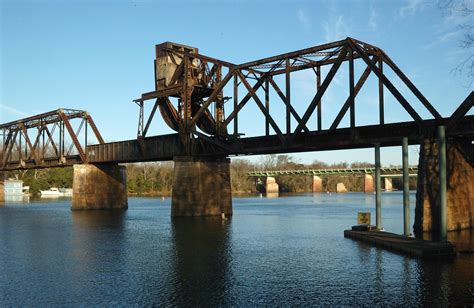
463	9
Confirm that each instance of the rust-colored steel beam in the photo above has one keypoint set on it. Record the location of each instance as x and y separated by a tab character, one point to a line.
283	98
388	84
73	136
461	111
293	54
411	86
19	150
322	90
260	105
348	102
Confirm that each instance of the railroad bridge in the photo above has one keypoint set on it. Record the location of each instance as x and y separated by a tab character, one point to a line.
190	93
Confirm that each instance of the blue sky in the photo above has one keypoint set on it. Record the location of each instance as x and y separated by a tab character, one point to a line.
98	55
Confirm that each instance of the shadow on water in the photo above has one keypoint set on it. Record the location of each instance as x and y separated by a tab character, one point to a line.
426	282
99	219
97	253
202	260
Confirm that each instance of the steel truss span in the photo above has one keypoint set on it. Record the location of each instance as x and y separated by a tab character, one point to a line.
46	140
189	95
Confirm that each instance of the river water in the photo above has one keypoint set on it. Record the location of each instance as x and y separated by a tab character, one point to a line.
274	251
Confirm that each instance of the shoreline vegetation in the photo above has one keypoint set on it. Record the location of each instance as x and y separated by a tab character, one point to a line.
155	179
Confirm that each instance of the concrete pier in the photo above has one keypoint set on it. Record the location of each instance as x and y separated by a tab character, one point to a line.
271	186
99	187
368	183
388	184
460	188
201	187
341	188
317	184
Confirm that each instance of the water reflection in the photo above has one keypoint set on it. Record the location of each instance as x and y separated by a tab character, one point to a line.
202	262
97	252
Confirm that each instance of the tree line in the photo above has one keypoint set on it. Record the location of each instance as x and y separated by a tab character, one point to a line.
157	178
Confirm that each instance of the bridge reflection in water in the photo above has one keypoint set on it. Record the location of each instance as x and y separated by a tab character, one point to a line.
285	251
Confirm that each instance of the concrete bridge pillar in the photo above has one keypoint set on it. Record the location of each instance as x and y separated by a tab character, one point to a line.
460	188
271	186
388	184
201	187
317	184
368	183
99	187
341	188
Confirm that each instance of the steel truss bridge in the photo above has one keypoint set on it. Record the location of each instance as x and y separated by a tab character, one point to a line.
189	94
385	172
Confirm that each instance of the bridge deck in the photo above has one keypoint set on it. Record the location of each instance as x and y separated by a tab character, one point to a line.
165	147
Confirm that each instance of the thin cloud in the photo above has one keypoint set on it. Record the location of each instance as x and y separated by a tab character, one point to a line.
372	23
303	18
12	110
335	29
443	38
411	7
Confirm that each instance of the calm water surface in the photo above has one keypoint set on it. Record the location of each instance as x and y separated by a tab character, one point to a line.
287	250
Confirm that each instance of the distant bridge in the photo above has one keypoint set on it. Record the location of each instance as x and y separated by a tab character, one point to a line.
385	172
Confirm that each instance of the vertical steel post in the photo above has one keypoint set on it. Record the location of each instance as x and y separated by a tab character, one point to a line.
267	106
236	102
442	183
288	97
85	137
378	197
406	188
351	88
381	98
318	85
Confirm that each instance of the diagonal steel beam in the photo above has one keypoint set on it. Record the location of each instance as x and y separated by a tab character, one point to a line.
320	93
264	77
50	138
243	101
72	135
212	97
78	131
283	98
28	142
411	86
388	84
461	111
94	128
9	148
152	114
363	78
262	107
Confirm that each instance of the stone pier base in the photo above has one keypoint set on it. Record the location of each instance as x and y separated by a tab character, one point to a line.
368	183
460	190
317	184
201	187
388	184
99	187
271	186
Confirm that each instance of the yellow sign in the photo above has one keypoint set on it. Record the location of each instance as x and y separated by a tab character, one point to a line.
363	218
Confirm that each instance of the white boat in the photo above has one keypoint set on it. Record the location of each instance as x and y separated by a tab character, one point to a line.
67	192
56	192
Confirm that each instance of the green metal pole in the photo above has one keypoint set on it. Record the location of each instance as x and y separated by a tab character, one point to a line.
378	199
406	188
442	183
